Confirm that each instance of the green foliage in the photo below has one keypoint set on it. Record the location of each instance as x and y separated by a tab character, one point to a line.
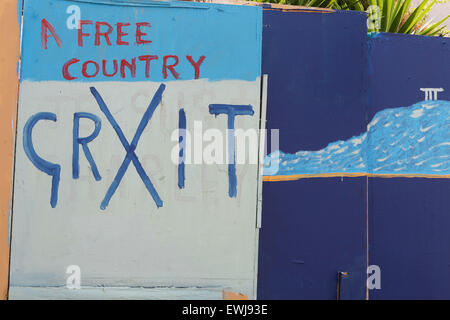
394	16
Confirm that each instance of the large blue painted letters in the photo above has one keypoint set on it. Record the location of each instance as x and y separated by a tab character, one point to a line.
49	168
84	142
130	148
232	111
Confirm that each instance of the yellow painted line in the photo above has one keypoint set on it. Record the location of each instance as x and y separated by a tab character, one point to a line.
354	174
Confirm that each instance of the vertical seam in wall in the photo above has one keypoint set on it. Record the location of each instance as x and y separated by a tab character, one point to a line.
262	117
259	171
12	190
261	140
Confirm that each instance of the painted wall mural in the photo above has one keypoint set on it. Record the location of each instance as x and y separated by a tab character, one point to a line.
111	93
360	181
404	141
313	227
112	113
408	217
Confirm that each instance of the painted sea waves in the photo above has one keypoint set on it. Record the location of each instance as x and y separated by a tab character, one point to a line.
412	140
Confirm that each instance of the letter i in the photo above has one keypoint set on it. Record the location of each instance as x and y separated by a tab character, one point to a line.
182	143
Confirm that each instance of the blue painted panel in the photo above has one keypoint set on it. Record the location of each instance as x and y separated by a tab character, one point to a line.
399	65
315	65
409	218
404	134
174	31
313	228
409	237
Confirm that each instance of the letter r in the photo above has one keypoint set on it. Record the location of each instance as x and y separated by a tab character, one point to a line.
84	142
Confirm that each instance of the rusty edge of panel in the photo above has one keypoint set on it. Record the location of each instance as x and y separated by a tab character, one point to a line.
272	6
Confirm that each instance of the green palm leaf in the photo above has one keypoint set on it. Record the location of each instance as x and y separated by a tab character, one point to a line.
399	15
416	16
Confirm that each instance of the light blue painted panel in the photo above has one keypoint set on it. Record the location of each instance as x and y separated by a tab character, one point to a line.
176	29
